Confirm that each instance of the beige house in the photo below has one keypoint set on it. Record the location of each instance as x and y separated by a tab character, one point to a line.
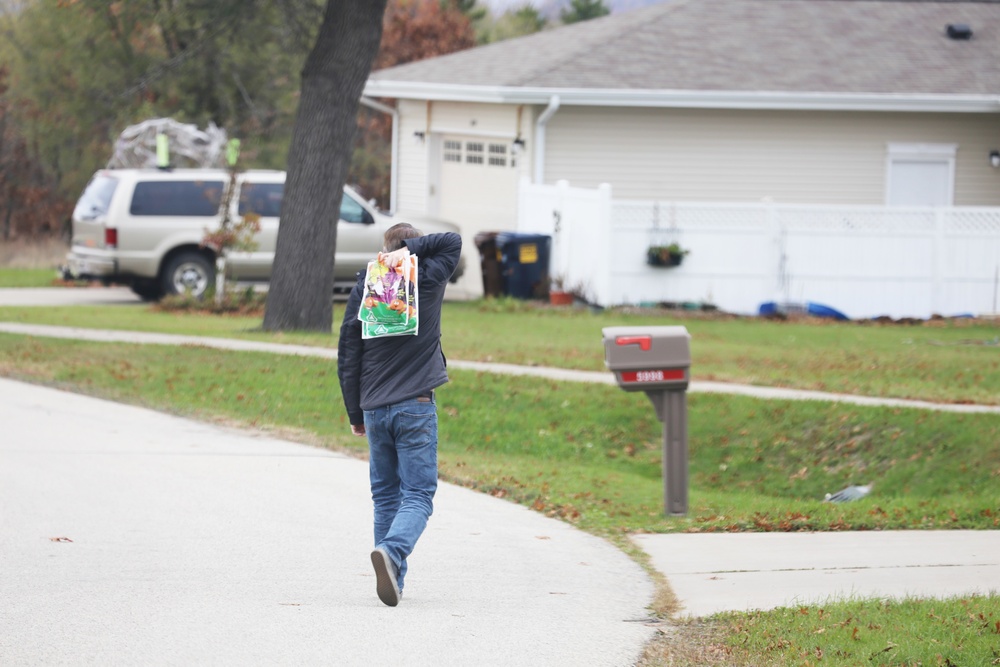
794	101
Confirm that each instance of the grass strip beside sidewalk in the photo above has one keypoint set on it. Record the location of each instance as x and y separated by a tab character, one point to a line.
27	277
954	361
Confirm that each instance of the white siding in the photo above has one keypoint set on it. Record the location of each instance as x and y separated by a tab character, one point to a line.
466	118
412	167
738	155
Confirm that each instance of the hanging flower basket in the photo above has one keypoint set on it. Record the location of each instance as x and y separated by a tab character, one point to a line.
665	255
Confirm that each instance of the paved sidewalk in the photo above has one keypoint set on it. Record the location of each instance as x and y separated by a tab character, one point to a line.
138	337
717	572
67	296
129	537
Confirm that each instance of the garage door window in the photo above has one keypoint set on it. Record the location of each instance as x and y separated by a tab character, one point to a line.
453	151
498	155
474	152
478	153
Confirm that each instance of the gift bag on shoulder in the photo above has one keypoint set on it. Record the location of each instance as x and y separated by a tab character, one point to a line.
389	304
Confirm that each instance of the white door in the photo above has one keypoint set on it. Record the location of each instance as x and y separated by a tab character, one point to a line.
920	183
477	190
921	175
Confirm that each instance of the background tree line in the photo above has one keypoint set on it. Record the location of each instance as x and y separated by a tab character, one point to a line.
75	73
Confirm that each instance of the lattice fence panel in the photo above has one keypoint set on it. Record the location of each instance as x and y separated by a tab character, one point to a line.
973	221
849	219
683	215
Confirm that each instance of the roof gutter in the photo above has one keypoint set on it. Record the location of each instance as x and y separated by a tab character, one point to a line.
539	150
692	99
394	166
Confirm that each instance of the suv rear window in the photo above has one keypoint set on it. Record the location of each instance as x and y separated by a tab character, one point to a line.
264	199
177	198
96	198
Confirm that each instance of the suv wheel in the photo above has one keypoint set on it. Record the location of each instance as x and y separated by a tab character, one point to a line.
188	273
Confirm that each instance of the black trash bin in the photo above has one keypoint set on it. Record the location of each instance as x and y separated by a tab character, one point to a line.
490	263
524	262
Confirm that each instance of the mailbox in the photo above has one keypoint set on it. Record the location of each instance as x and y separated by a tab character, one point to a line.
657	360
646	358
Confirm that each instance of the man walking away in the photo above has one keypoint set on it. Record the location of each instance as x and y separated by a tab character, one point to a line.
388	386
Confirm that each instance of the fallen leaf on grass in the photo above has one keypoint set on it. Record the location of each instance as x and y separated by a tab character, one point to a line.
888	648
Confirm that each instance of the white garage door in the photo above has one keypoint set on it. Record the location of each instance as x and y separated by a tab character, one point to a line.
478	187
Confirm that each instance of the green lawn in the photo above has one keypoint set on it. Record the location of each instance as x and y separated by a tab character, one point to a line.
26	277
946	361
590	454
957	632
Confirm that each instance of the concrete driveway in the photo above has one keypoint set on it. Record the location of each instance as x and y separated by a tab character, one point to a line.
132	537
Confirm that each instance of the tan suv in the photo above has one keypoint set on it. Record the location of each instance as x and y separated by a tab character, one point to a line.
144	228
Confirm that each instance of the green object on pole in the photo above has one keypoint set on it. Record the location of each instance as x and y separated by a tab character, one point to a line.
232	152
162	151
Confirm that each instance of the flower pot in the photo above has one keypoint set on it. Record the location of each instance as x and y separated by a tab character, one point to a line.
560	298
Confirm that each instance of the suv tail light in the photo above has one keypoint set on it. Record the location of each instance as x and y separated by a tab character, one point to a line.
111	237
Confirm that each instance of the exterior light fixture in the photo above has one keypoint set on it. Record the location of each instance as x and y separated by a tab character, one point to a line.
418	136
995	158
518	145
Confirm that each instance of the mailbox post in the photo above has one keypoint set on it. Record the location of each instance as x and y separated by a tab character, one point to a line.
657	360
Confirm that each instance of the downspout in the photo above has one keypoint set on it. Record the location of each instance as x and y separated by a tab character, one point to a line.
540	137
394	166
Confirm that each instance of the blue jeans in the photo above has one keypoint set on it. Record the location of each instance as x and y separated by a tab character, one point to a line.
402	443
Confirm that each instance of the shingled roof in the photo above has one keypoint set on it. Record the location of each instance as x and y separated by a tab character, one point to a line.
879	47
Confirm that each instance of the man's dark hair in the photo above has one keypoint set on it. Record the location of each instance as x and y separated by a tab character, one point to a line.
397	234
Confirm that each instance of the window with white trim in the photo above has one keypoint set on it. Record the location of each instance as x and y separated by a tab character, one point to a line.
920	175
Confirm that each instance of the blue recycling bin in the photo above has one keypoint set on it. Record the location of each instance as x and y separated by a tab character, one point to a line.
524	264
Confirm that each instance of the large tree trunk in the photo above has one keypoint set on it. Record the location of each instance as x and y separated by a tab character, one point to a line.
301	291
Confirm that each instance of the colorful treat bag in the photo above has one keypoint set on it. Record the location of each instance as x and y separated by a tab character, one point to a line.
389	303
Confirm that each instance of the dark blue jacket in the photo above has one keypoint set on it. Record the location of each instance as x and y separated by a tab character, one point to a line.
381	371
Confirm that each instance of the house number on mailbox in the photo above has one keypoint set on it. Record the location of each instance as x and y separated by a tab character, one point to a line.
653	376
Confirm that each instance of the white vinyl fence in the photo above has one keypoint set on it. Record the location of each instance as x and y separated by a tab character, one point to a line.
864	261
